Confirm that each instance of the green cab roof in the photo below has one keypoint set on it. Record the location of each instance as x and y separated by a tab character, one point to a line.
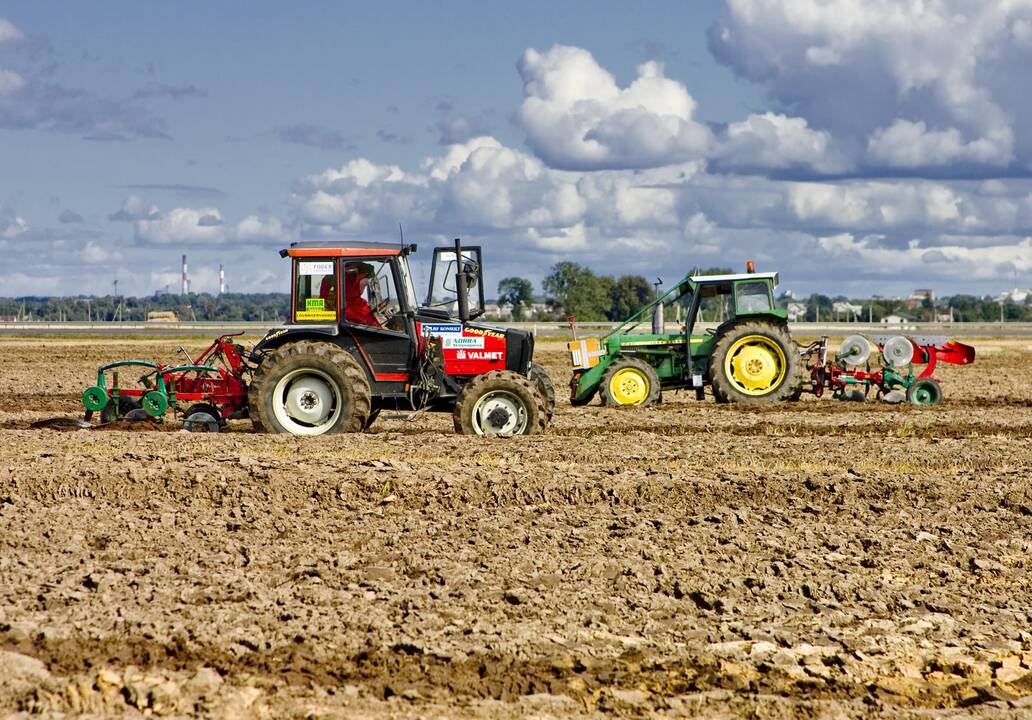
701	279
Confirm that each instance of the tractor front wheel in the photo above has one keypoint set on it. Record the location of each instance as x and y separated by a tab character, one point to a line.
545	387
754	362
630	381
309	388
500	402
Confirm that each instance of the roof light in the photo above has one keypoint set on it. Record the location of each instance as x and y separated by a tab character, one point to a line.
750	266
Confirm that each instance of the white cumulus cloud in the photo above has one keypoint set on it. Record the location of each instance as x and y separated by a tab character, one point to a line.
9	32
10	82
774	141
135	208
943	74
907	144
256	228
578	118
180	226
11	225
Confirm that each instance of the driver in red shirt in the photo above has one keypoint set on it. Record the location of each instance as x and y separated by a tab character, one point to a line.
356	308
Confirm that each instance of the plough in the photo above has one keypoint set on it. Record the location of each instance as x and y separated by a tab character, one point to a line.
213	385
884	364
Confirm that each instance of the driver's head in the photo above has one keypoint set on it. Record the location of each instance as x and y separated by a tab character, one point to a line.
356	277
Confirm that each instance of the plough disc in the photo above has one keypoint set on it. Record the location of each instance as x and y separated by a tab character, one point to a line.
898	352
855	350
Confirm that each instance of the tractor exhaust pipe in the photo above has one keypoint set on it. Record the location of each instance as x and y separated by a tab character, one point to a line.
658	323
461	283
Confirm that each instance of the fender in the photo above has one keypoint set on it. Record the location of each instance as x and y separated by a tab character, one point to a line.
278	336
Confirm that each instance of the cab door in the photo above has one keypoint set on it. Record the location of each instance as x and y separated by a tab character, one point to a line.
374	315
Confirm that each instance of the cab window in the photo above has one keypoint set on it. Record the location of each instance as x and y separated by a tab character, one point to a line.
752	296
371	295
715	303
315	294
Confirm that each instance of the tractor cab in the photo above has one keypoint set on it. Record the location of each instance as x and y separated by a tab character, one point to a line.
363	284
716	299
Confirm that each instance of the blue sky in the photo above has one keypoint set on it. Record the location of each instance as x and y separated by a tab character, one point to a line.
856	146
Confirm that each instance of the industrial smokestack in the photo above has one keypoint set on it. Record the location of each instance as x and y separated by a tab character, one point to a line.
222	279
186	279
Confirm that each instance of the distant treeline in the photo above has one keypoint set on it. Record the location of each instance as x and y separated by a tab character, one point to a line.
568	289
267	307
572	289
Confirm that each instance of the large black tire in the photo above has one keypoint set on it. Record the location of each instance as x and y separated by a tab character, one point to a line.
205	408
718	396
309	388
777	353
543	383
630	381
500	402
126	405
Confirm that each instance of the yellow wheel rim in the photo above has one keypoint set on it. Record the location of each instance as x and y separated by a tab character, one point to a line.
629	386
755	365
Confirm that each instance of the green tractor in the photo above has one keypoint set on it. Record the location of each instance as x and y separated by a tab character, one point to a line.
746	355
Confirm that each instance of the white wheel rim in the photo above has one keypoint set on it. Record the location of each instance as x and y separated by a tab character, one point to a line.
306	402
499	413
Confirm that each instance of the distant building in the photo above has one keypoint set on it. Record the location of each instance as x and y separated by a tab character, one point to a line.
796	311
500	311
916	299
898	319
1018	296
539	308
851	311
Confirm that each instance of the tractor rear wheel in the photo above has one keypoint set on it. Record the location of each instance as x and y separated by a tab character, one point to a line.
500	402
718	396
309	388
630	381
754	362
543	383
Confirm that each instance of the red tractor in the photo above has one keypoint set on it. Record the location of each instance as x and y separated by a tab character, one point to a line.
358	342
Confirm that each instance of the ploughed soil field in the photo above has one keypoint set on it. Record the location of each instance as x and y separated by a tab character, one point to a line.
810	559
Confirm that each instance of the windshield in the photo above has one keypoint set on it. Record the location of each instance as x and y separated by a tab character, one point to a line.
443	291
407	287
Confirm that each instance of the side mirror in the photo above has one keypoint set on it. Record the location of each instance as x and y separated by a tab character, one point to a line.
471	270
